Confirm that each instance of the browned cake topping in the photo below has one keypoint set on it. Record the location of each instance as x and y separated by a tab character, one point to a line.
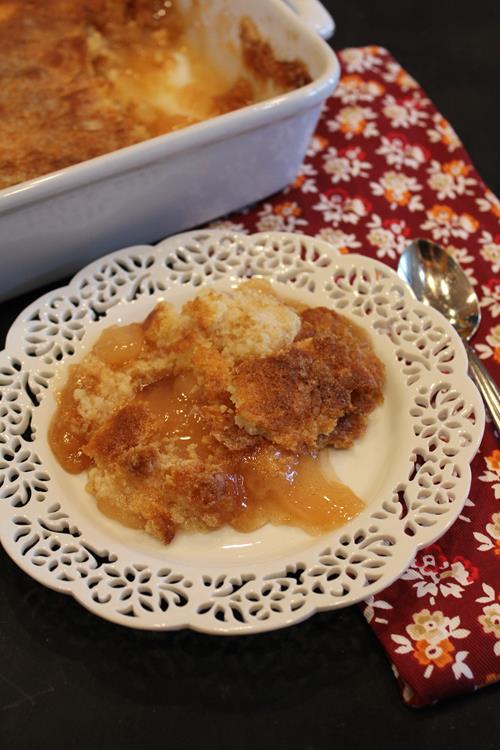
216	415
80	79
259	57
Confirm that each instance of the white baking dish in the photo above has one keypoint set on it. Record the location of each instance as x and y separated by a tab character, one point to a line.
52	225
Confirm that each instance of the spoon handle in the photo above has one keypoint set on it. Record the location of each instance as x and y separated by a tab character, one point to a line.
486	384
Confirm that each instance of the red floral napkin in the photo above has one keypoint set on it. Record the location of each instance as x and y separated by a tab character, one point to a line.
384	166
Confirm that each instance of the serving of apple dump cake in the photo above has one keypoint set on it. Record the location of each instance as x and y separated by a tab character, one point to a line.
217	414
81	79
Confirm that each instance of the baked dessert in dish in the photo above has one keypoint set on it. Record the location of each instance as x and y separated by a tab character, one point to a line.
81	79
217	414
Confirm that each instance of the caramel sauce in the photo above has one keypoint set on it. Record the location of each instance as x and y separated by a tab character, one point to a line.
118	345
80	79
169	89
293	490
180	420
117	513
7	10
66	436
268	485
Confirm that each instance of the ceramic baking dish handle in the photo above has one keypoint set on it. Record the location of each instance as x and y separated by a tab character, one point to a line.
314	15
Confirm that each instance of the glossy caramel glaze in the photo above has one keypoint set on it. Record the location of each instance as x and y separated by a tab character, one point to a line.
80	79
176	448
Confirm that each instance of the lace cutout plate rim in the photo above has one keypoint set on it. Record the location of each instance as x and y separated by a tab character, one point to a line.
415	456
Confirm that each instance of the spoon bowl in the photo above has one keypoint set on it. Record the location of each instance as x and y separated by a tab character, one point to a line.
438	281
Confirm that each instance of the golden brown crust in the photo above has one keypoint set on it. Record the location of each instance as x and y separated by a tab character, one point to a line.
161	526
83	78
127	428
172	455
296	397
220	421
259	57
240	94
55	108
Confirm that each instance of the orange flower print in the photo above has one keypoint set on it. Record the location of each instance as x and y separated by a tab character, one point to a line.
351	121
228	226
457	168
492	348
427	626
431	635
397	194
490	619
305	180
442	213
316	144
288	208
299	181
337	205
405	81
490	251
351	81
388	236
374	88
282	217
404	112
448	135
491	678
360	59
396	74
345	163
354	120
398	189
399	152
489	202
353	88
322	141
493	528
494	338
450	179
460	254
442	132
493	460
443	222
401	198
437	654
491	296
469	223
341	241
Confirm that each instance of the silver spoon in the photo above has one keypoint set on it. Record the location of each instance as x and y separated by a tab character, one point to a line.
438	281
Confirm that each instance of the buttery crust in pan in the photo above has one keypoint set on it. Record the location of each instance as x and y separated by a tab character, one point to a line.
81	79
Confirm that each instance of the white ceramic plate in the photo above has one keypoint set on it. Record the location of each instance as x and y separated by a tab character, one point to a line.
411	467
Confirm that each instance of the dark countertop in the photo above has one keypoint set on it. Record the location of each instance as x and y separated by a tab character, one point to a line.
70	679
